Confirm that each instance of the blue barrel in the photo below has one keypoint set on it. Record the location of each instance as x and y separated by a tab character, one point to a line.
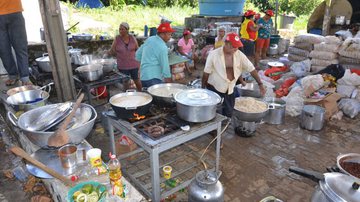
221	7
153	31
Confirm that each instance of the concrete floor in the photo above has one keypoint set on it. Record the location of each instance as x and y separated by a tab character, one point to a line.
256	167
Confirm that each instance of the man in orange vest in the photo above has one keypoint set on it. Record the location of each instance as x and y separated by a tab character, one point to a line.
13	34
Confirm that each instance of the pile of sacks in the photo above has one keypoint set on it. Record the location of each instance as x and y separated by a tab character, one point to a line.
325	53
304	44
350	53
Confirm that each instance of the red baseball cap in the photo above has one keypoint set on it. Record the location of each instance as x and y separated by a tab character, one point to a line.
186	32
249	13
269	12
234	39
165	27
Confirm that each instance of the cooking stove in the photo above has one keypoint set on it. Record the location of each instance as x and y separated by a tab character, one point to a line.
244	128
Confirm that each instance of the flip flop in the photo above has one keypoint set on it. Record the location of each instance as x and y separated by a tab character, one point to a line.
10	82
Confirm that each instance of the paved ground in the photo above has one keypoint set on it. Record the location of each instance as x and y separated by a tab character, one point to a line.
256	167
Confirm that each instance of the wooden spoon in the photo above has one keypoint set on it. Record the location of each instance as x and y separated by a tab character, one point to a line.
61	137
21	153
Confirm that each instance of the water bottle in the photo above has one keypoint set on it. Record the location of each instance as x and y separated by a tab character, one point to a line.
146	31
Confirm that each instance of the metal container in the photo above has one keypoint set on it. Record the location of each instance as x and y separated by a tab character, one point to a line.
75	54
350	164
90	72
273	49
13	91
163	94
197	105
250	117
40	138
68	157
312	117
206	187
27	100
79	59
249	90
44	63
126	105
276	114
82	37
108	64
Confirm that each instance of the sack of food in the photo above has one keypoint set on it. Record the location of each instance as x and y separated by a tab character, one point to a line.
298	51
345	90
312	83
323	55
327	47
304	46
316	68
309	38
325	63
296	58
350	54
349	79
332	40
300	68
347	60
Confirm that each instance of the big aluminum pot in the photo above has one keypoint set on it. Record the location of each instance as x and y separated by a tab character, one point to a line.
91	72
206	187
312	117
251	116
44	63
74	55
163	94
127	105
276	114
40	138
333	187
197	105
108	64
249	90
27	100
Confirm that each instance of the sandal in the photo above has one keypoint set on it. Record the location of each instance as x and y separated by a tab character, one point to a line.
10	82
27	83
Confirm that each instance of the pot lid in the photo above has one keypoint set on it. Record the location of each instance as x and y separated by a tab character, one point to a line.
206	177
338	187
275	64
197	97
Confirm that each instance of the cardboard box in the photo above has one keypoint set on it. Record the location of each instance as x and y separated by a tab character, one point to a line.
123	149
329	103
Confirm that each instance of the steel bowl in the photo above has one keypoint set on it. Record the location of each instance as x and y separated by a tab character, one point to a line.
40	138
13	91
351	158
82	37
27	100
251	117
91	72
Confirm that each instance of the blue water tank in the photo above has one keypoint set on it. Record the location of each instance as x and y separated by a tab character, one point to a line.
221	7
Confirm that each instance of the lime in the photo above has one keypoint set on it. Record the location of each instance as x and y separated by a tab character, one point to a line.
81	198
76	194
93	197
87	189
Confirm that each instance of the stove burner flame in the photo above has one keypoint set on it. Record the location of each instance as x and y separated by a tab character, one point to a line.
137	117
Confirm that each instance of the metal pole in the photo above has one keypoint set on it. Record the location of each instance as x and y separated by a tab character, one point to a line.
276	15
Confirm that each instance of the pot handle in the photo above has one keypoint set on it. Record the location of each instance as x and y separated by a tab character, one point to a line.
12	118
130	108
218	174
130	90
313	175
47	87
308	114
221	102
45	54
271	107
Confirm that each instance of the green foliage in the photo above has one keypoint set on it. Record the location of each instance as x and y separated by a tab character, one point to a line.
297	7
119	4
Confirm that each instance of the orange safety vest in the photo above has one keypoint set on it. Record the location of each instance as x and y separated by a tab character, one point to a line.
244	33
10	6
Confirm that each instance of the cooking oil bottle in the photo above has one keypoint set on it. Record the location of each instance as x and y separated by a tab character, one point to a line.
115	176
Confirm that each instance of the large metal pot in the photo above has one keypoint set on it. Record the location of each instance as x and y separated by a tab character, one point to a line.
44	63
312	117
249	90
13	91
206	187
27	100
75	54
108	64
40	138
163	94
276	114
90	72
126	105
251	116
82	37
333	187
79	59
197	105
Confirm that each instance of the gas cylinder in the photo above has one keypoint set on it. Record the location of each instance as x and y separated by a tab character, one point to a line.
206	187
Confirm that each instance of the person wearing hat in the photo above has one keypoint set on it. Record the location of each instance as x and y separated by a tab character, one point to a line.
124	48
224	67
186	48
249	34
153	57
263	41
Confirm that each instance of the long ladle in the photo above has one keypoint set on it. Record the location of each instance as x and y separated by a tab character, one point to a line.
61	137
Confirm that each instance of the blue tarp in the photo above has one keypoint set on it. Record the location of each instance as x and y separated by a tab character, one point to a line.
89	4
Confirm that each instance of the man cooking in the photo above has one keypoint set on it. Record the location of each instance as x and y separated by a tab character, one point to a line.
224	67
153	57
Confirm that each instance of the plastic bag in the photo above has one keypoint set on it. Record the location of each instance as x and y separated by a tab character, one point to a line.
296	58
300	68
312	83
298	51
294	101
309	38
349	78
350	107
326	47
323	55
345	90
344	34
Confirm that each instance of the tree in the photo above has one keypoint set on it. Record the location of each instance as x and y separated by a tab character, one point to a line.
298	7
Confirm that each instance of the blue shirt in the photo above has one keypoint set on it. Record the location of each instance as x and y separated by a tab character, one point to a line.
153	57
264	32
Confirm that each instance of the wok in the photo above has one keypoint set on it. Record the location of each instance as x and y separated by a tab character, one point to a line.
40	138
163	94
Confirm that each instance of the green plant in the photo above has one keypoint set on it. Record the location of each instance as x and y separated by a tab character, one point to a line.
297	7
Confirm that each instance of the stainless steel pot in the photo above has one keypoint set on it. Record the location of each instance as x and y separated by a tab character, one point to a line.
90	72
79	59
350	165
312	117
82	37
276	114
108	64
27	100
44	63
249	90
251	117
75	54
197	105
40	138
163	94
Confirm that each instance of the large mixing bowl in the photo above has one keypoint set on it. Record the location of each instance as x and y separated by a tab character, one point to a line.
40	138
27	100
251	116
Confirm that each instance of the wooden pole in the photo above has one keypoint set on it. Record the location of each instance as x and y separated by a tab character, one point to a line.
276	15
56	44
327	18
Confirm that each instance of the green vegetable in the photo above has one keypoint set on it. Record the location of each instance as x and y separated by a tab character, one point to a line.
89	193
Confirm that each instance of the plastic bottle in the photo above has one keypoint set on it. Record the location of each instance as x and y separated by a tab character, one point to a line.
115	176
90	171
146	30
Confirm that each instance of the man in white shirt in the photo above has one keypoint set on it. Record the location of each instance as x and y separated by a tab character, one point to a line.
224	67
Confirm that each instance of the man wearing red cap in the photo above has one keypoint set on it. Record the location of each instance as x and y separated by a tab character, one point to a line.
153	57
224	67
263	41
249	34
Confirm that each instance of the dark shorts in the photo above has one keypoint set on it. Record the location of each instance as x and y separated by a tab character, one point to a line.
133	73
151	82
227	106
249	47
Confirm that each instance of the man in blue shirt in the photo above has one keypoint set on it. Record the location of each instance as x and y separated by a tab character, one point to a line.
153	57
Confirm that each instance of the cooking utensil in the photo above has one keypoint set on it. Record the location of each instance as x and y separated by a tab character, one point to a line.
82	37
72	27
163	94
251	116
127	104
108	64
312	117
27	100
197	105
91	72
350	164
21	153
276	112
13	91
60	137
249	90
44	63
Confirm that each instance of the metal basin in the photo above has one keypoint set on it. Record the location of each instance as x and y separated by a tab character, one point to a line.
163	94
40	138
251	117
27	100
82	37
249	90
90	72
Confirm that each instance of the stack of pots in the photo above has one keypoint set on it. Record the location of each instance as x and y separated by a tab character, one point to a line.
276	114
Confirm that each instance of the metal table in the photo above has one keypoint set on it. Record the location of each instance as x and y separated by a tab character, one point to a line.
155	147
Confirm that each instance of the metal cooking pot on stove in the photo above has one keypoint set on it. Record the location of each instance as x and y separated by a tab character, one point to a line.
75	54
333	187
44	63
163	94
197	105
249	90
127	104
108	64
27	100
251	116
91	72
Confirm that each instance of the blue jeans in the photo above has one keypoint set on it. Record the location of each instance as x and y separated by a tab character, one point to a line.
151	82
13	34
